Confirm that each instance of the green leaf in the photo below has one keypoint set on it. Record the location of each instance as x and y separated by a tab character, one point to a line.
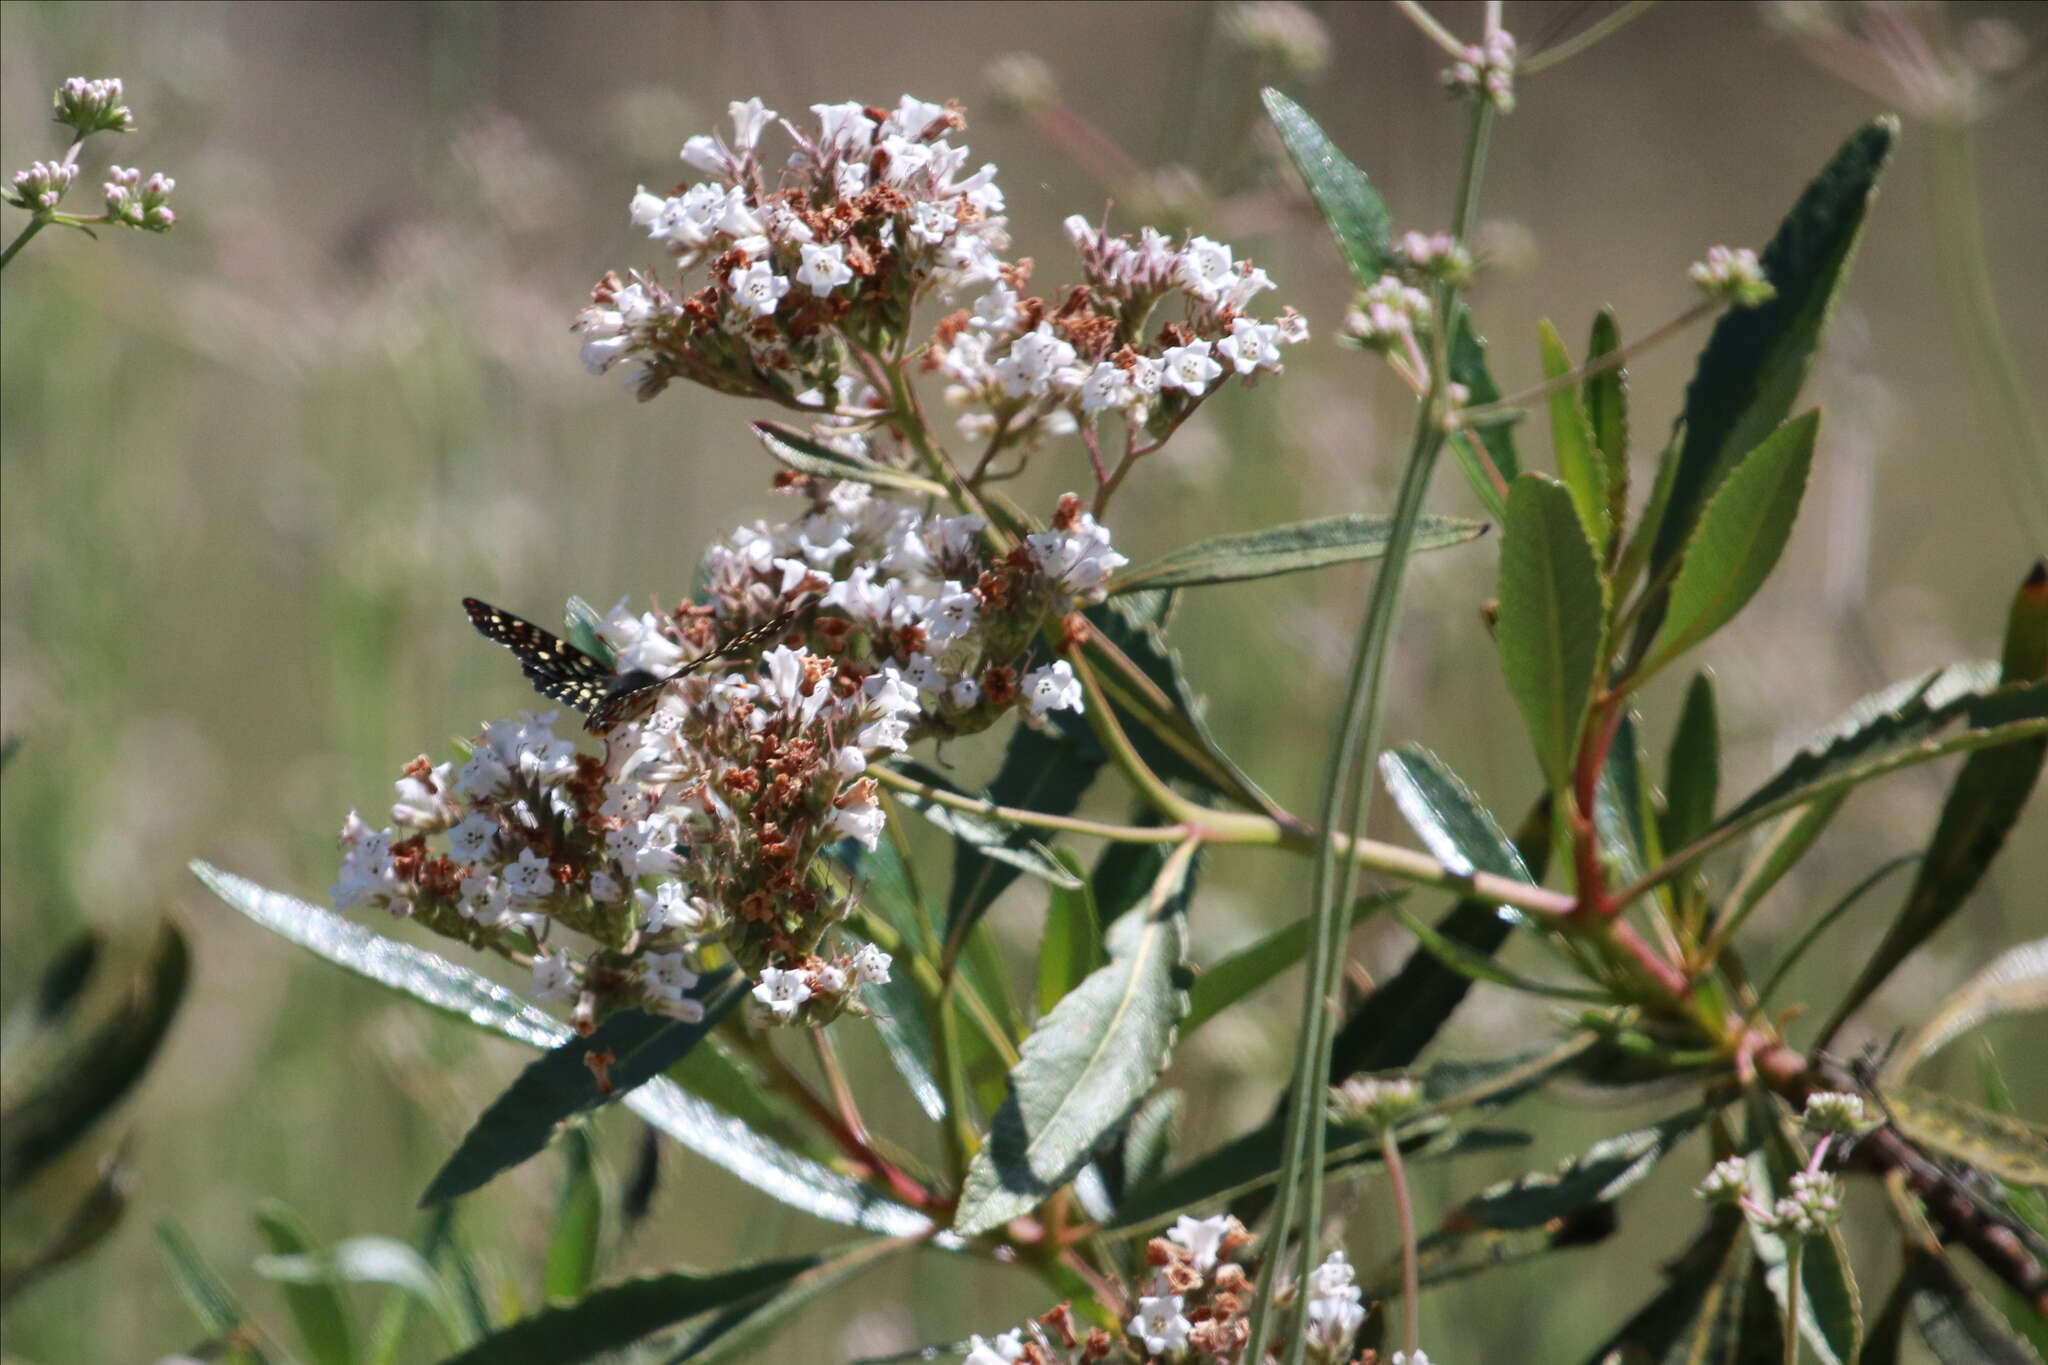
735	1333
579	1218
1692	772
1148	1139
316	1308
215	1306
1757	359
561	1085
463	994
1621	805
900	1008
2014	982
1400	1016
2012	1149
1292	548
1250	1164
96	1214
1605	396
1898	727
1981	809
1697	1317
806	456
991	853
1580	463
1957	1325
1740	535
373	1260
1230	980
1553	606
1086	1067
1468	367
1826	918
1457	830
1635	553
1357	218
1603	1173
618	1315
1481	967
1072	946
92	1035
1780	852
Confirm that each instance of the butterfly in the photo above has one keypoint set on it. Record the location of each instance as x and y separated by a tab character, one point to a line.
562	672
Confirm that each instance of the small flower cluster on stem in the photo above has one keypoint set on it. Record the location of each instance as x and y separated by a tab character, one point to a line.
706	820
1812	1202
1193	1309
132	200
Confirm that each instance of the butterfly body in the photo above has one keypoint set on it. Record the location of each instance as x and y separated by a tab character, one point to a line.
561	672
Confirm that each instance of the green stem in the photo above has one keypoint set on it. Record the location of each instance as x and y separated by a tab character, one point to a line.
1516	404
1974	297
35	225
1608	26
1411	1262
1795	1246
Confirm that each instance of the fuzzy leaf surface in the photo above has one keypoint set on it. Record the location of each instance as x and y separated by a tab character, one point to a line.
1300	545
1356	215
1553	607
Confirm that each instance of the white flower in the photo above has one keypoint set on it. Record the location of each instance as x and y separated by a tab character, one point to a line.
1190	368
757	288
859	816
849	761
824	268
423	799
1334	1311
702	153
1108	385
668	981
1002	1351
912	116
1159	1323
637	641
749	117
644	207
528	878
473	840
965	694
1203	1237
1033	360
844	128
1404	1358
870	966
1052	688
782	991
952	614
1726	1183
554	977
669	907
1251	345
1206	268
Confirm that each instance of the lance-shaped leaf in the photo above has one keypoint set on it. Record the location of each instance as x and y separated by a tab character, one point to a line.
83	1041
1698	1316
1692	772
1741	533
317	1310
434	981
1898	727
562	1085
2010	1148
1071	948
1481	966
212	1302
1580	462
1553	610
1957	1325
618	1315
2014	982
806	456
1757	359
1230	980
1601	1174
1357	217
579	1219
1086	1066
374	1260
1605	396
1981	809
1300	545
986	840
1469	368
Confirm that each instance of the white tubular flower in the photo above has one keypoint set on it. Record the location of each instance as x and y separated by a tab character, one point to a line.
1206	269
844	128
1189	368
1159	1323
913	117
1334	1310
1203	1238
749	117
1051	688
782	991
870	966
858	814
1034	358
637	641
423	797
824	268
473	840
668	981
1108	386
702	153
757	289
1003	1350
1251	346
554	977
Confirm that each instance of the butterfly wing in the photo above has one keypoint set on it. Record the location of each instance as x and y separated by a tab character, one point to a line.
557	669
739	644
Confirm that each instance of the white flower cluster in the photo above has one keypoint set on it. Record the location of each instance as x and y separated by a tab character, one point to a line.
41	185
138	202
1813	1201
1195	1310
93	106
871	211
1486	71
1020	369
1732	275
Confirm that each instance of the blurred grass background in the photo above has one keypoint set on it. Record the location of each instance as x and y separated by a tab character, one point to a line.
249	469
